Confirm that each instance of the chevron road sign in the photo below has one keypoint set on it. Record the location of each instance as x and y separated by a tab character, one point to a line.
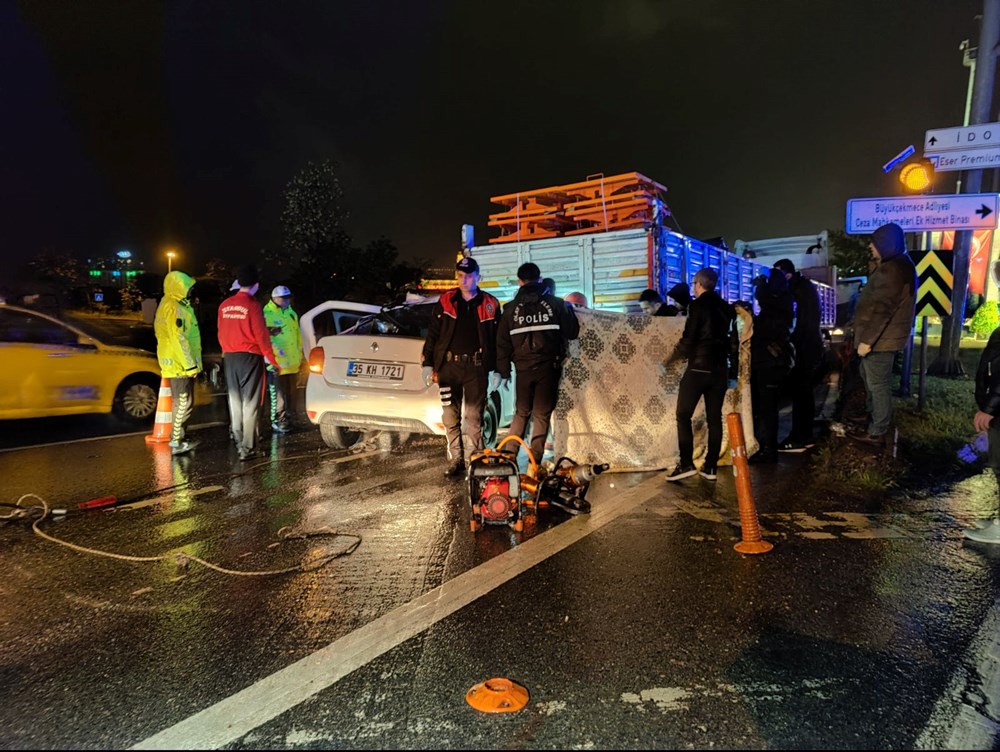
934	282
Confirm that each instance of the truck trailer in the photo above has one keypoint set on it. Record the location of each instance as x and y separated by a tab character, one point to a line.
613	268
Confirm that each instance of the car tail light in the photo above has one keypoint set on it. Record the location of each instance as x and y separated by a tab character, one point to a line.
316	359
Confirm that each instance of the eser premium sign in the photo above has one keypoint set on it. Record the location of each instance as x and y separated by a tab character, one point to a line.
972	211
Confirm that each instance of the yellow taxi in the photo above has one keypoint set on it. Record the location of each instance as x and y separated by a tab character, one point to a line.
52	367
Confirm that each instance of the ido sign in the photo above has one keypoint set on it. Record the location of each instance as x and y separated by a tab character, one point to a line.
963	211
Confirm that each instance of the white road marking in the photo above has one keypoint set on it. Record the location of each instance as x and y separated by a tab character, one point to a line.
237	715
195	427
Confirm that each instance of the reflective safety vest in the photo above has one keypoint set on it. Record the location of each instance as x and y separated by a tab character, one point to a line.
286	339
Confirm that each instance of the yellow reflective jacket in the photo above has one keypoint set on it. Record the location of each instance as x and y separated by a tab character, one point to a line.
178	339
286	339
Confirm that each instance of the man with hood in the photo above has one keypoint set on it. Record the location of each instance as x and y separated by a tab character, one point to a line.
882	325
178	349
535	329
286	339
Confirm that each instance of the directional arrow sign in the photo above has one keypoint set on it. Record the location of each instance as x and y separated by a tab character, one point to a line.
963	138
965	211
968	159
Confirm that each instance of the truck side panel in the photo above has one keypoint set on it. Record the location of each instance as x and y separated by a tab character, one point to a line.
613	268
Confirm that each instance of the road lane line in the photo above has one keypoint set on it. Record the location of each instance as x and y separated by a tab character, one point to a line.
237	715
195	427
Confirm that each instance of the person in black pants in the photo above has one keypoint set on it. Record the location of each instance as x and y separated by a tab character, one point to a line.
808	341
459	353
705	344
771	358
246	346
534	331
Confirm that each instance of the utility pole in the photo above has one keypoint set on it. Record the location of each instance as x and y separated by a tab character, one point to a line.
947	362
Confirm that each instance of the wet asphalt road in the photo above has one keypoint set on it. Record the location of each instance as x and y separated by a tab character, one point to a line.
637	626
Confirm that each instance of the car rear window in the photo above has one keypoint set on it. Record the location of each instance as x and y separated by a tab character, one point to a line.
404	321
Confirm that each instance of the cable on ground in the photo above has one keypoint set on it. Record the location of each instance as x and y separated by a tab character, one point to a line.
181	558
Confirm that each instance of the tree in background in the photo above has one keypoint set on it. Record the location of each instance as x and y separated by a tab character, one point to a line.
375	275
131	298
57	272
849	253
219	273
318	258
315	245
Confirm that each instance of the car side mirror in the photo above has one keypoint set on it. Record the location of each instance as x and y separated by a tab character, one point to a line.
86	342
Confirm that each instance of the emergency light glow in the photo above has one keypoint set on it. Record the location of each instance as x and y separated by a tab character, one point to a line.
917	176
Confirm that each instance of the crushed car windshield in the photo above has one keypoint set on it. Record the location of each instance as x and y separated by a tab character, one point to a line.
404	321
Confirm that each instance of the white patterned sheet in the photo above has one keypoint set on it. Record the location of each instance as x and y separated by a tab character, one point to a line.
617	401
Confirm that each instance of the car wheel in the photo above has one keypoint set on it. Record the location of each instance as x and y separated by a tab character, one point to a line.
338	437
491	420
135	400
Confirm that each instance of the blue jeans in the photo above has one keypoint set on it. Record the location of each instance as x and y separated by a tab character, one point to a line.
876	372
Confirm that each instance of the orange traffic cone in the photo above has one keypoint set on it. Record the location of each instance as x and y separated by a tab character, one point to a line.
164	415
752	542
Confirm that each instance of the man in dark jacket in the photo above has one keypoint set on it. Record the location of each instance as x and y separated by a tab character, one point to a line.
771	357
534	331
808	342
705	344
882	325
652	304
459	353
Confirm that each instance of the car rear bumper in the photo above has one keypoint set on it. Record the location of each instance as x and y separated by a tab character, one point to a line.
372	409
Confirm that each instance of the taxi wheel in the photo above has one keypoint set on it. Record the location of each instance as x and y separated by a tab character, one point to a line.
135	400
338	437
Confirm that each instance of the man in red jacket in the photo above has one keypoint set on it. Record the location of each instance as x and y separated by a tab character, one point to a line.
246	344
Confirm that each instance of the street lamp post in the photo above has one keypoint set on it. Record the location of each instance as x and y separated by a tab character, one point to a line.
170	261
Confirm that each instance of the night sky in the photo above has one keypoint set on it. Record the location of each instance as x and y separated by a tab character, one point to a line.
140	124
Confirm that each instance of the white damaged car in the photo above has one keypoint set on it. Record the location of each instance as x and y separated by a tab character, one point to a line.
369	378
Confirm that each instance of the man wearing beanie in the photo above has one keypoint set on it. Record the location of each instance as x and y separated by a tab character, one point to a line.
245	346
459	353
882	325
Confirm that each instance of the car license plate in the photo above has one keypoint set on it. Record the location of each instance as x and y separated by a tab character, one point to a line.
368	370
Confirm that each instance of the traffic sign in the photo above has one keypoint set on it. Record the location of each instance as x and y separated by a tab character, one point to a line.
980	136
967	159
934	282
963	211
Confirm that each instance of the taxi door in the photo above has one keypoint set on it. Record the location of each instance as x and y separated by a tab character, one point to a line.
49	368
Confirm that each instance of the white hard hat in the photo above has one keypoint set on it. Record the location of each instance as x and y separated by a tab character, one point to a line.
281	292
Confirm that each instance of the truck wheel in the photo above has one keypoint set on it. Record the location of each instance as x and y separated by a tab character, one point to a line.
338	437
135	400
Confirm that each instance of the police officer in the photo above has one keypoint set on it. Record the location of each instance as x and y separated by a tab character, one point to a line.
178	350
286	339
459	353
534	332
